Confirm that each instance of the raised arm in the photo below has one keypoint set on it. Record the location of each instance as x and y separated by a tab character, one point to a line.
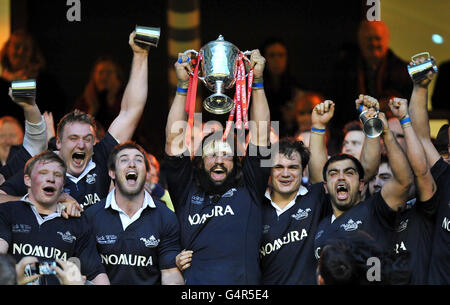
419	115
320	117
176	121
259	108
395	191
371	150
134	97
425	183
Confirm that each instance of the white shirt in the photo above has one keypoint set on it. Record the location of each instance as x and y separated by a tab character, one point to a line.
124	218
301	191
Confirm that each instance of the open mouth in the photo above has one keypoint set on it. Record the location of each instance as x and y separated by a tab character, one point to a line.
131	177
49	190
78	158
285	182
342	191
218	173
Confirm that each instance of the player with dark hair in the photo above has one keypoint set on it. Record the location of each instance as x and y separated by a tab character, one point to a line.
137	236
219	212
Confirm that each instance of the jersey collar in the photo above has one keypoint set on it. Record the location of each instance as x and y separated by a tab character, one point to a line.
60	207
301	192
91	165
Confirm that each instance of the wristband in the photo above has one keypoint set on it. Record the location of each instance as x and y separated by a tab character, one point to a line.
183	84
258	80
257	86
182	91
360	108
405	122
318	130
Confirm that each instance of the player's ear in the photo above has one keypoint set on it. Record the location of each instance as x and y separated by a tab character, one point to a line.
320	280
325	187
362	184
112	174
27	181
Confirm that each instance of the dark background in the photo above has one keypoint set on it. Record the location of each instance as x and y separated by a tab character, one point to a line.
314	32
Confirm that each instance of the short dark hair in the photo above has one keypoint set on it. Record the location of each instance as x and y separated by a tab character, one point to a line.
287	146
119	148
72	117
340	157
46	157
352	126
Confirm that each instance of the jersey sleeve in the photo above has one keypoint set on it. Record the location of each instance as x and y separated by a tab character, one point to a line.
15	186
15	162
5	223
103	148
86	251
179	175
256	170
169	246
386	215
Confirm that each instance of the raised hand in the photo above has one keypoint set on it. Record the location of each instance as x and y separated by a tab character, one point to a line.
322	114
399	107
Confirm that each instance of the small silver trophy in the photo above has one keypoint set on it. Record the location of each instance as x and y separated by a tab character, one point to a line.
372	127
24	89
418	72
147	36
219	73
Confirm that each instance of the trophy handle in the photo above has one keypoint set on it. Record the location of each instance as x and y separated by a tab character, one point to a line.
420	54
196	54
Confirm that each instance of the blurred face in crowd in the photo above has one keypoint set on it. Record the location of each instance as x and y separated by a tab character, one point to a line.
353	143
76	146
276	57
384	175
105	74
343	184
130	172
286	174
10	134
304	107
373	39
153	173
45	182
19	52
218	161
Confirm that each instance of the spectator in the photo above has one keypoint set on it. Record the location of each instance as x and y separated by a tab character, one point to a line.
102	95
21	59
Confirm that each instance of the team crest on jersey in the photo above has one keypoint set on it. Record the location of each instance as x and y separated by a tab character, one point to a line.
229	193
90	179
21	228
106	239
351	225
301	214
266	229
198	200
67	237
319	234
66	190
403	225
151	242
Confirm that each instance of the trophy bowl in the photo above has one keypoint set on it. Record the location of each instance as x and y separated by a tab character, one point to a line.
219	73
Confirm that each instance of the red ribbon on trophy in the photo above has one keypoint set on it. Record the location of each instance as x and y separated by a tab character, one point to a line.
191	98
241	97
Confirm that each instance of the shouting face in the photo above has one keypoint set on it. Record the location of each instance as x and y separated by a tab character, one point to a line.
76	146
217	161
343	184
45	183
130	171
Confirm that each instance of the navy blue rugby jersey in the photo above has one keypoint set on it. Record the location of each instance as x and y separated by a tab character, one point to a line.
414	233
136	255
90	187
439	273
372	216
224	236
287	251
54	237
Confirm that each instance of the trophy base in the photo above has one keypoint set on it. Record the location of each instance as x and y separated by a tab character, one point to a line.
218	103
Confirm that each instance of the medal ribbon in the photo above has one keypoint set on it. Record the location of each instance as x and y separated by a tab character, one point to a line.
191	99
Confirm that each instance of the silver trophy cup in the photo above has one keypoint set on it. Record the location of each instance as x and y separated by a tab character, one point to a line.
218	72
373	126
418	72
147	36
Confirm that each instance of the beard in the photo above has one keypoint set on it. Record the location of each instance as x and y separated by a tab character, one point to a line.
212	187
130	192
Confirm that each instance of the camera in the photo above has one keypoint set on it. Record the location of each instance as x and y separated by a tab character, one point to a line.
42	268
